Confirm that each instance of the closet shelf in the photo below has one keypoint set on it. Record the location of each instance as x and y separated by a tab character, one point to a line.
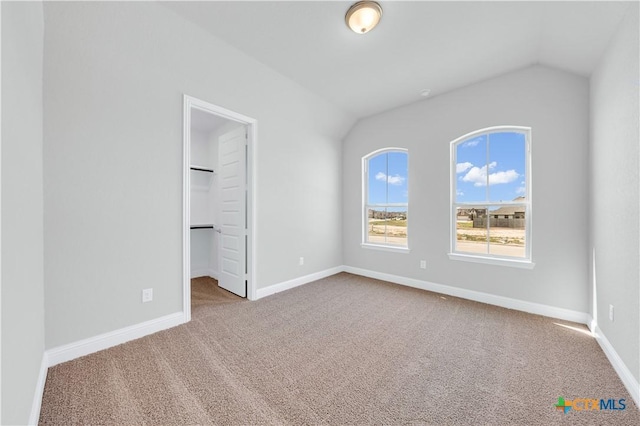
201	169
203	226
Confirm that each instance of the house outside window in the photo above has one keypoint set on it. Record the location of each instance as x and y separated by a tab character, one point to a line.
491	196
386	199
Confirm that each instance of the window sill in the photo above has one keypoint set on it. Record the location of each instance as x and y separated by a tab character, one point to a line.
385	248
524	264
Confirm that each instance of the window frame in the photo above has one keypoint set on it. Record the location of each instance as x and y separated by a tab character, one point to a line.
365	195
488	258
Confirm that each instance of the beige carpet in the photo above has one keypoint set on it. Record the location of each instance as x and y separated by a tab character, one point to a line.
342	350
205	294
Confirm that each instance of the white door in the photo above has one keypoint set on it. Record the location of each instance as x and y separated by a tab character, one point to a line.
232	218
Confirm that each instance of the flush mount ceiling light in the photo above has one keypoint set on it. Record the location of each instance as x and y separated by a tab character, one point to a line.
363	16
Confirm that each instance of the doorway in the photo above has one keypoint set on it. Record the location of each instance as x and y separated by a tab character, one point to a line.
218	199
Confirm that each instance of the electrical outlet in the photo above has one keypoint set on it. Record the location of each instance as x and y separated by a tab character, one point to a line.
423	264
147	295
301	261
610	312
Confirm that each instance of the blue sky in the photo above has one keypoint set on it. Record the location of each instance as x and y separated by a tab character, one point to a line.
388	179
504	167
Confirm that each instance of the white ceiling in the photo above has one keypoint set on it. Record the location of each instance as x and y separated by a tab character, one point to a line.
418	45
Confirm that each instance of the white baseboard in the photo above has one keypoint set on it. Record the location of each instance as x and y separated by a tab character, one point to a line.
113	338
34	417
286	285
491	299
623	371
197	273
204	273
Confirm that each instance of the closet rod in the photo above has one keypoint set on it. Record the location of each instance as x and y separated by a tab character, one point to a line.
200	169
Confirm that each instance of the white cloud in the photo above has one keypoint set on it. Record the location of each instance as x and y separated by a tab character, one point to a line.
392	180
460	193
503	177
471	143
520	190
478	175
463	167
396	180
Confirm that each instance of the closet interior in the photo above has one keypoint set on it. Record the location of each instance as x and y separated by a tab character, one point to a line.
206	130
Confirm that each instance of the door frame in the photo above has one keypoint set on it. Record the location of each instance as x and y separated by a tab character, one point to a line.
251	124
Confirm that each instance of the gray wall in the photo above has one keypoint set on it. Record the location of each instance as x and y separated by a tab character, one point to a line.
556	105
615	190
115	74
22	223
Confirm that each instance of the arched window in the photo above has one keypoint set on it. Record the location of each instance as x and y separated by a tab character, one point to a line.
386	198
491	196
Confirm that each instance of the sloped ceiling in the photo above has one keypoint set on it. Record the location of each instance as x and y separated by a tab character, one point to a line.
418	45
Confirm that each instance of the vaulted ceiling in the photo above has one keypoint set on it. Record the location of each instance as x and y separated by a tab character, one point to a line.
418	45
